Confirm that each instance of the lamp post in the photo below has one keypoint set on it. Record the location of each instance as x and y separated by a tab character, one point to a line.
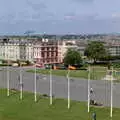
35	83
68	78
50	85
88	89
111	109
21	83
8	79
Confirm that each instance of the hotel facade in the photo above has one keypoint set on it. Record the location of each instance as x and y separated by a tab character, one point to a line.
45	51
16	49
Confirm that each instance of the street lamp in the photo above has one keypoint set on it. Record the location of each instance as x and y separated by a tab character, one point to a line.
35	83
68	78
8	79
88	89
50	85
111	109
21	83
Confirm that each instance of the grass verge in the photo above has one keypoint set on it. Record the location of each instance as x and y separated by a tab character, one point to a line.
11	108
96	73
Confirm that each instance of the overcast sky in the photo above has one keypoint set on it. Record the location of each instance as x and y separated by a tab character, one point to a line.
59	16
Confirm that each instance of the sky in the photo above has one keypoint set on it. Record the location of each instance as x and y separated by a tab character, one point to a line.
59	16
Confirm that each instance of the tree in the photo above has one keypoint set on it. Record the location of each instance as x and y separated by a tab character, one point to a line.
28	62
72	57
18	62
95	50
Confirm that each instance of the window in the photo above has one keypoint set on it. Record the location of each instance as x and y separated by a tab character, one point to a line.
52	48
52	54
47	53
43	48
42	54
47	48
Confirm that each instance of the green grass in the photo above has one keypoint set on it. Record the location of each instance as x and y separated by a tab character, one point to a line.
11	108
96	73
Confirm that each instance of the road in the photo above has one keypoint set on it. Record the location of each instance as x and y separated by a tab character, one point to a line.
78	88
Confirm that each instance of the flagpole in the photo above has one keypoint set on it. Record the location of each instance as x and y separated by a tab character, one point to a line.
8	81
88	89
50	85
68	88
21	84
111	110
35	93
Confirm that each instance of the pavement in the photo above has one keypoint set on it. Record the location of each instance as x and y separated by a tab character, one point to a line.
78	87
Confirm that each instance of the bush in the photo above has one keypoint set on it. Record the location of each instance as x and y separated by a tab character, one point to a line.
4	61
45	95
116	65
28	62
4	65
85	65
18	62
101	63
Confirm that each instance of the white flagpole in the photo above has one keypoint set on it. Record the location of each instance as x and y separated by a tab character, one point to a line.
8	81
35	92
111	110
21	84
88	89
50	86
68	88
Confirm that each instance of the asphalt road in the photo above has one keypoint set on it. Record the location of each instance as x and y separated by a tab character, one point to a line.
78	88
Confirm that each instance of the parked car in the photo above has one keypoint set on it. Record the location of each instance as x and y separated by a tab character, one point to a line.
39	66
15	64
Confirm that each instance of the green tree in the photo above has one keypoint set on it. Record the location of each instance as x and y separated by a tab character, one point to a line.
72	57
18	62
95	50
28	62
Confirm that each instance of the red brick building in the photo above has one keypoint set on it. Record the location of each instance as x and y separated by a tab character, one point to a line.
45	51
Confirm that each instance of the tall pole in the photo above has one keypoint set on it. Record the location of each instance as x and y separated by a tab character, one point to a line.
35	82
68	88
111	109
21	83
50	85
8	81
88	89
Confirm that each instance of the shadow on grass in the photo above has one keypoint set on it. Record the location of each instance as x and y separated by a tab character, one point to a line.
44	96
38	98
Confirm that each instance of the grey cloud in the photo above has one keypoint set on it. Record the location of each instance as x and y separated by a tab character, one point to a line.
116	15
7	17
70	16
36	6
73	16
83	1
41	16
36	16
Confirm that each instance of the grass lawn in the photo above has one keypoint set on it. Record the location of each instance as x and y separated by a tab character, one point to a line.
96	73
11	108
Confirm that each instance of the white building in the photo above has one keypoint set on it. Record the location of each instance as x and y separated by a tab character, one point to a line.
63	46
16	49
112	47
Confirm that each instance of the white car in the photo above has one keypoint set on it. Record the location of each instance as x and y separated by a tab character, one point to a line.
15	65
